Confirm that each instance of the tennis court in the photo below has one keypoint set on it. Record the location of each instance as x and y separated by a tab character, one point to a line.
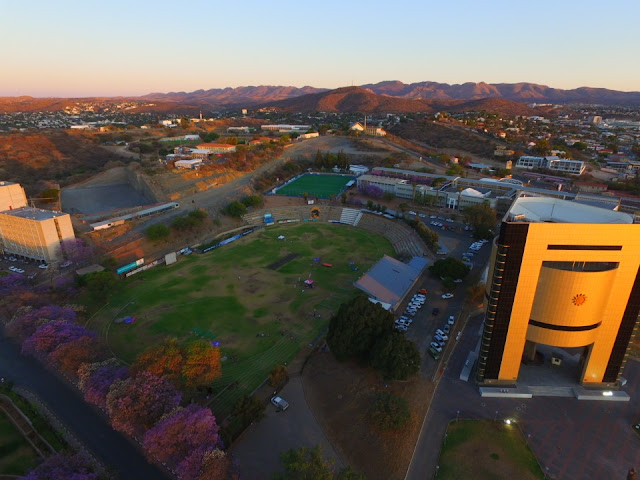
320	186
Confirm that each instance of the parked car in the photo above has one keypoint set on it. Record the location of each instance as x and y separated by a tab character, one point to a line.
66	264
423	291
451	320
12	259
444	336
447	296
12	268
436	346
43	266
401	328
457	280
280	403
449	220
446	329
19	270
439	339
434	354
435	311
411	313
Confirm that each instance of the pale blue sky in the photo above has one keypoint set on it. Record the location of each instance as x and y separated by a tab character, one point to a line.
77	48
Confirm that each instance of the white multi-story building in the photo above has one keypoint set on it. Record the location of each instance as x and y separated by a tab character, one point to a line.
12	196
554	163
34	233
286	128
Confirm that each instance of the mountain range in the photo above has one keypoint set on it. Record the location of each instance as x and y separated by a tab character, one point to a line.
389	96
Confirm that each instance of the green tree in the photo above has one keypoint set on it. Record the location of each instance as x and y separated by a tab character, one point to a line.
389	411
184	122
278	377
101	284
252	200
355	328
235	209
395	356
542	147
343	198
450	268
305	464
482	218
348	473
50	195
248	410
157	232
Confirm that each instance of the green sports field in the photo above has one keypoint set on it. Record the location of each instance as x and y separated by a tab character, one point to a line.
260	315
320	186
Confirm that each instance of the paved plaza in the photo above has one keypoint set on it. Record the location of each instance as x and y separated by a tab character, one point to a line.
572	439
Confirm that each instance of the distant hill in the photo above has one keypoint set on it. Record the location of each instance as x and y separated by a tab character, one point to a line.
239	96
359	100
520	92
401	97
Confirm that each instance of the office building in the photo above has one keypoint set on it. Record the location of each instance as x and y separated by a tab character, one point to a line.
566	275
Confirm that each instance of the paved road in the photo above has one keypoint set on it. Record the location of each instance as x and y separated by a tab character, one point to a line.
571	439
113	449
258	451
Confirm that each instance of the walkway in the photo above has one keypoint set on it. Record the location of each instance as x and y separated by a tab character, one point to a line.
113	449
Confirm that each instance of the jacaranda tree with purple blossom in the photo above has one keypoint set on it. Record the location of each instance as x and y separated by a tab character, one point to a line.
61	466
76	251
98	379
182	438
372	191
24	324
49	336
137	403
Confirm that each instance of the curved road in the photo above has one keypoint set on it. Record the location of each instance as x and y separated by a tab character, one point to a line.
114	450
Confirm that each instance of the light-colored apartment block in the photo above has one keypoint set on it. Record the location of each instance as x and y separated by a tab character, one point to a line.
34	233
11	196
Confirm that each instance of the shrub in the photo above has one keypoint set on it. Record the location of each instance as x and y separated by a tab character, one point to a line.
389	411
157	232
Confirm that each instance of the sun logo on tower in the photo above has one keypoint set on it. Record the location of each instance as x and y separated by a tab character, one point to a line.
579	299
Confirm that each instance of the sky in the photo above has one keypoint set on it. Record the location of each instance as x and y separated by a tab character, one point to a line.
75	48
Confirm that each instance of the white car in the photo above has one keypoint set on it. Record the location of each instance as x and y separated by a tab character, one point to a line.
436	346
442	334
422	215
401	328
12	268
19	270
447	296
280	403
432	216
451	320
449	220
43	266
66	264
447	329
457	280
411	212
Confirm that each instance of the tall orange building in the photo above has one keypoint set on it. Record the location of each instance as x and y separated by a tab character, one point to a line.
566	275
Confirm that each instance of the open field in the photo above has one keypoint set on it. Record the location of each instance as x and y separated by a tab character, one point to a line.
260	316
483	449
16	455
321	186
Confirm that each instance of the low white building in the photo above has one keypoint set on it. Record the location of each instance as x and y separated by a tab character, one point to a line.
358	169
554	163
192	164
285	128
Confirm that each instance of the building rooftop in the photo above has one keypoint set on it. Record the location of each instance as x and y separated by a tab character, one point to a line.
33	213
554	210
389	279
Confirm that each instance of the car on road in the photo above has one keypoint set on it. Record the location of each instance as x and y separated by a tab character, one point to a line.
451	320
280	403
446	296
435	311
436	346
43	266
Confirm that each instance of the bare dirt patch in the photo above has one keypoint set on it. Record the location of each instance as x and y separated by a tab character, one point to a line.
283	261
340	395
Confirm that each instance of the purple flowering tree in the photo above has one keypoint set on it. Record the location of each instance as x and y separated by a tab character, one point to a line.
137	403
182	438
12	283
49	336
77	251
61	466
25	324
98	380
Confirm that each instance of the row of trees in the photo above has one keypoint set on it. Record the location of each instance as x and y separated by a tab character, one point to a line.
239	208
180	224
363	331
431	238
143	401
330	160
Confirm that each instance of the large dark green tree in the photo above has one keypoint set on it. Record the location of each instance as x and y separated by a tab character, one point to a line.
449	268
356	327
483	219
395	356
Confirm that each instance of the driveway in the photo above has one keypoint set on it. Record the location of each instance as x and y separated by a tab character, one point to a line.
258	451
571	438
89	425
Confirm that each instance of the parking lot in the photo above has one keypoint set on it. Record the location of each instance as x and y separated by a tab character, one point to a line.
31	269
436	312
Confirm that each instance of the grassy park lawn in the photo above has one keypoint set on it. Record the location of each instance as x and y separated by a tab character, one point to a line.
483	449
321	186
16	455
261	316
